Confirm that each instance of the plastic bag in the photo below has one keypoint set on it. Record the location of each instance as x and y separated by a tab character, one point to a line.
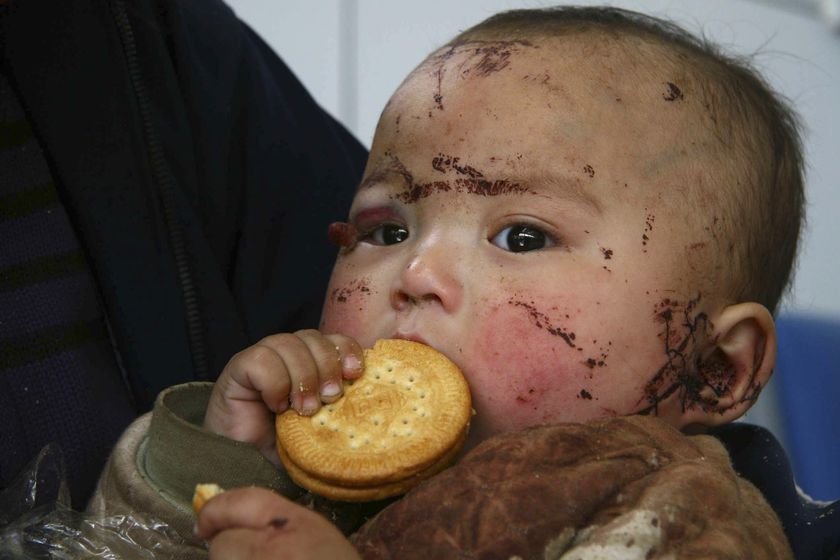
36	521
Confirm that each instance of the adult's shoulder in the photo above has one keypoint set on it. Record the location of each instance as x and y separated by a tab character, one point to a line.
812	528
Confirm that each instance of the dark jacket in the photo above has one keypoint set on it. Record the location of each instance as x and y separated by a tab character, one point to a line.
812	528
198	173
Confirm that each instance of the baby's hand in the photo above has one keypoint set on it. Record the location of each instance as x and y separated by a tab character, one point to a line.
257	523
302	369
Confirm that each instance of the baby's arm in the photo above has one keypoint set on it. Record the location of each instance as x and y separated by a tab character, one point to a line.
301	370
257	523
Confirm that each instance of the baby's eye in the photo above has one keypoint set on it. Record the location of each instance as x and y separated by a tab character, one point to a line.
386	234
520	238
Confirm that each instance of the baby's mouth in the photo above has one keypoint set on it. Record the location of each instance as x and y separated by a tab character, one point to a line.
412	337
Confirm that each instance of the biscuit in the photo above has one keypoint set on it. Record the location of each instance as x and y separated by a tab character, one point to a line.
204	492
405	419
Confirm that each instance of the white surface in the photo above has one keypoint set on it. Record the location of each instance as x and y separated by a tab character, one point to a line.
798	53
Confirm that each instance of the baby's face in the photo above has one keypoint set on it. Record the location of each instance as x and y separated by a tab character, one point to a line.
520	212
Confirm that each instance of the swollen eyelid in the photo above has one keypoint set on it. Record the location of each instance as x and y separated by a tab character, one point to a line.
369	218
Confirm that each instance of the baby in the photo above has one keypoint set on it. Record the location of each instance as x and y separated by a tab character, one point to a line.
590	212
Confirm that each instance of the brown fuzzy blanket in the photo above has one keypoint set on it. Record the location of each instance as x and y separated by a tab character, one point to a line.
618	488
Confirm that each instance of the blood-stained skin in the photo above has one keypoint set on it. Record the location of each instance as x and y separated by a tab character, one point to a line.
649	220
358	286
680	324
684	372
445	163
673	92
343	235
542	321
483	58
461	178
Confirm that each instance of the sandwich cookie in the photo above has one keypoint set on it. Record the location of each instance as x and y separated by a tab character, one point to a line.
404	420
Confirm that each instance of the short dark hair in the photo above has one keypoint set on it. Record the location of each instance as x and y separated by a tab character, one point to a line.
757	127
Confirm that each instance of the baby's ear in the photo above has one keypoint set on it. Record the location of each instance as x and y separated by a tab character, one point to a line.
737	365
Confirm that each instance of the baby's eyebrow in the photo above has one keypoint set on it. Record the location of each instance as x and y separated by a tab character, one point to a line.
377	176
569	188
392	166
548	185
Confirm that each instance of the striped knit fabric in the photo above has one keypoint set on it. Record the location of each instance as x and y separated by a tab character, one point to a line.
59	378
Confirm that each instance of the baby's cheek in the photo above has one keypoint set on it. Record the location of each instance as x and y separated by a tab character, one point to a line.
523	371
337	318
347	308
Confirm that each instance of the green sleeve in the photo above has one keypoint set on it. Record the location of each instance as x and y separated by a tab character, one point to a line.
179	453
159	459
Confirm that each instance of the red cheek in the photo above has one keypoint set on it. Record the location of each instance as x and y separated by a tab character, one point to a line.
520	373
356	289
339	319
346	307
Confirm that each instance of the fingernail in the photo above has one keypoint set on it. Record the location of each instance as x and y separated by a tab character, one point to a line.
283	406
309	405
351	363
195	530
330	389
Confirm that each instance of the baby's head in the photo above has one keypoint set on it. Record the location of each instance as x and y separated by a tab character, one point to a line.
587	210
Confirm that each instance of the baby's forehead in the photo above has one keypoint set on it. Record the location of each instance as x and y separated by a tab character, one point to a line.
621	108
624	60
583	75
600	94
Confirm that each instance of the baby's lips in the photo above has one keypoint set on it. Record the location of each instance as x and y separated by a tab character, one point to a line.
413	338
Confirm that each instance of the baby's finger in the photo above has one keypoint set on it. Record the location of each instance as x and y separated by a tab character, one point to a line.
327	357
302	371
262	369
238	544
351	353
252	508
258	523
309	542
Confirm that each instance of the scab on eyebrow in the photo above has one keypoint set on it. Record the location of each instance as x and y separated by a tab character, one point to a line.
467	180
445	163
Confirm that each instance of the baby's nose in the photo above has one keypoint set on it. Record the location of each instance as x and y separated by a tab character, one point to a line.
429	277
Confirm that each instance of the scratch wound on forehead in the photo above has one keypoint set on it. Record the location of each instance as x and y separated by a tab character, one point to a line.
445	163
462	178
482	58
